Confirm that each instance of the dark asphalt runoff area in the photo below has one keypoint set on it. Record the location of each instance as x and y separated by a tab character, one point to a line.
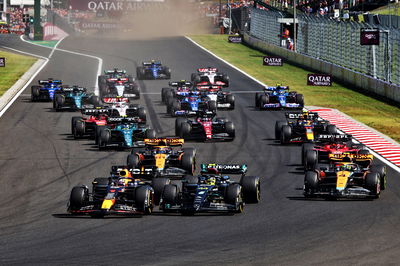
40	163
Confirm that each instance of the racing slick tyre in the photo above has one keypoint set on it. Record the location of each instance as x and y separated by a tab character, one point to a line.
158	184
79	129
188	163
150	133
136	91
140	73
193	76
78	197
144	199
230	130
364	151
130	78
175	106
311	160
212	106
163	94
231	100
95	100
196	80
133	161
59	101
372	183
233	195
178	123
169	96
225	79
286	133
189	151
278	129
142	114
73	122
381	170
311	180
185	130
97	133
250	188
331	129
304	148
300	100
167	72
104	138
170	194
257	99
264	99
35	93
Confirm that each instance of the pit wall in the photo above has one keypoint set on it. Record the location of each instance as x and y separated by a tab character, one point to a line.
340	74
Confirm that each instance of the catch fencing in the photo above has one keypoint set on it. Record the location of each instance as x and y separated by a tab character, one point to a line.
337	42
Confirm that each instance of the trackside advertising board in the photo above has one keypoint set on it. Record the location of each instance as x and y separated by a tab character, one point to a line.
319	80
272	61
2	61
235	39
369	37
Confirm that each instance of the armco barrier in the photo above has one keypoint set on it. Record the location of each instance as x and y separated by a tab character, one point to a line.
340	74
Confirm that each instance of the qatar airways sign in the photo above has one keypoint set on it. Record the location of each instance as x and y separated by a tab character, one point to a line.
319	80
109	5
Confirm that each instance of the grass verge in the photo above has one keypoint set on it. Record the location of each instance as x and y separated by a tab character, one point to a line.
50	44
16	66
368	110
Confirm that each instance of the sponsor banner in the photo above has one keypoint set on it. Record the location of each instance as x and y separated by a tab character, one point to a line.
99	25
319	80
109	5
272	61
235	39
2	61
369	37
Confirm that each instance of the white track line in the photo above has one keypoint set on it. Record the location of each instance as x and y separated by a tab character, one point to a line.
394	167
28	82
99	66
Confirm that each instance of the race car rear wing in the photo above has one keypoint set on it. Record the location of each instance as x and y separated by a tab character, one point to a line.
151	63
43	82
167	141
119	71
94	111
180	83
115	100
334	137
123	119
297	115
73	88
207	69
352	156
238	169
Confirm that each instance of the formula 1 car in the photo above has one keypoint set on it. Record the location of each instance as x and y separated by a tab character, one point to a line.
209	76
119	194
190	105
87	124
121	106
74	98
212	191
181	87
46	90
302	127
345	180
328	147
122	88
158	158
153	70
123	133
205	127
111	76
224	99
278	97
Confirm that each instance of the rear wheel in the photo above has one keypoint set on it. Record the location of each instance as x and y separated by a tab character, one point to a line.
163	94
304	148
136	91
286	134
310	183
381	170
331	129
311	160
178	123
234	196
264	99
150	133
185	130
300	100
144	199
231	100
257	99
59	101
133	161
142	114
105	136
251	188
278	129
170	195
158	185
212	106
35	93
230	129
372	183
73	121
175	106
79	129
188	163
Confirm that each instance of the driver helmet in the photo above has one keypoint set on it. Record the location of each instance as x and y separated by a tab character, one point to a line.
211	181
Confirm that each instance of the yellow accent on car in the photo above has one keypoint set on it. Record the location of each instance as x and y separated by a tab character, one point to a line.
342	178
160	160
107	204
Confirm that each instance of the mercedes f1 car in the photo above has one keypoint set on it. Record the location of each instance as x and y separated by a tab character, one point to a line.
345	180
190	104
209	76
278	97
212	191
158	157
122	132
205	127
153	70
46	90
74	98
302	127
119	194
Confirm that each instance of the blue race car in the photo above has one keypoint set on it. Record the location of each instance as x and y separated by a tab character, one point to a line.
153	70
212	191
189	104
74	98
123	132
278	97
46	90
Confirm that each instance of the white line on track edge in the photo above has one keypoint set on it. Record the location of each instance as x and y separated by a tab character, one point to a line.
390	164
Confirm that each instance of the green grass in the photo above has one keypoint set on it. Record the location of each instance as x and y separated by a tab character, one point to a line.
374	113
45	43
392	9
16	66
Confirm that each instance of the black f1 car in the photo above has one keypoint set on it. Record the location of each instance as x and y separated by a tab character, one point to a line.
212	191
302	127
153	70
205	127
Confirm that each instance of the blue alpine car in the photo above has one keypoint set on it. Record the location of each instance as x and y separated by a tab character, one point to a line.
189	104
46	90
153	70
278	97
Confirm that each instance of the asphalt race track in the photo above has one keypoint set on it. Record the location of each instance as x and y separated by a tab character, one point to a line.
40	163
